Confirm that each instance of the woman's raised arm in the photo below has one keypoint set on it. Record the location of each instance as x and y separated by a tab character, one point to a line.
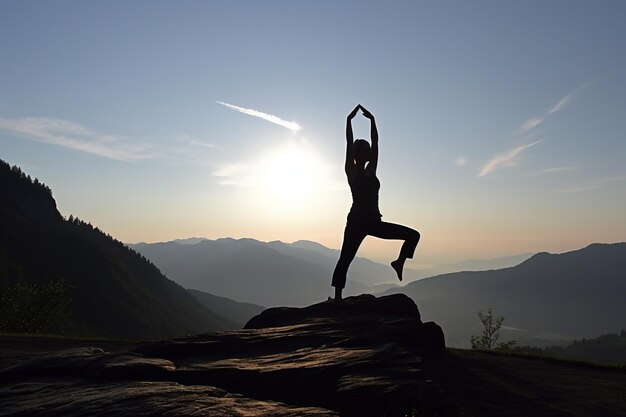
373	164
349	165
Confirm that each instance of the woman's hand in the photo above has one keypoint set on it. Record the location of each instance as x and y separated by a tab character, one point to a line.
354	112
366	113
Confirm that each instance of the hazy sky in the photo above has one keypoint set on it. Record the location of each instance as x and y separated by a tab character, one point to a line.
502	124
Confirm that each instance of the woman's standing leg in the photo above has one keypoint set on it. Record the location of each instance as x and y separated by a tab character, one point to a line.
410	236
353	235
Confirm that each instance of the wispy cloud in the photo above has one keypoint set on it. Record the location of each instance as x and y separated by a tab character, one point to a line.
235	174
552	170
77	137
191	141
531	123
265	116
194	142
593	184
560	105
506	159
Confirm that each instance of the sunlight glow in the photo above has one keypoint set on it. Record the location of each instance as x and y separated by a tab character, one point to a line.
291	174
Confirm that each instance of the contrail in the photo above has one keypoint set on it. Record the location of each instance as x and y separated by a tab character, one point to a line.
270	118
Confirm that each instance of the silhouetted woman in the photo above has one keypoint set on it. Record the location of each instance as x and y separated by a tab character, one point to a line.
364	217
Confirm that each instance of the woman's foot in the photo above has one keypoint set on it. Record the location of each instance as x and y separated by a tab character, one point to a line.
397	266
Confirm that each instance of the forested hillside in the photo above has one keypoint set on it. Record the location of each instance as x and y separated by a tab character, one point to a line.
114	291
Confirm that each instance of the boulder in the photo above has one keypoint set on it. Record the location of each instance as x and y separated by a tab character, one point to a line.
392	318
365	305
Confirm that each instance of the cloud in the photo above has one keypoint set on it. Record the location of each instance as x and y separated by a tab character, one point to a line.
506	159
560	105
552	170
531	123
567	99
77	137
265	116
237	175
191	141
194	142
593	184
461	161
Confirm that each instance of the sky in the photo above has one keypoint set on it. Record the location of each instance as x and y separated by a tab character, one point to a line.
501	123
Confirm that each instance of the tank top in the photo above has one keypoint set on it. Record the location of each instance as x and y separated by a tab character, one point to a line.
364	189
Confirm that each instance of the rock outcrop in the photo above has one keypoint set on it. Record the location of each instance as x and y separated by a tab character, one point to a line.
362	357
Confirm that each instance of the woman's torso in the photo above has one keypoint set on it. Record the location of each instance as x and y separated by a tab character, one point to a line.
364	187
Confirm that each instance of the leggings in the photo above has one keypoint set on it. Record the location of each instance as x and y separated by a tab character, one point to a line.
356	231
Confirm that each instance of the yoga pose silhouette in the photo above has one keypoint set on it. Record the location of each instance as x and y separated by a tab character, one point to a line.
364	218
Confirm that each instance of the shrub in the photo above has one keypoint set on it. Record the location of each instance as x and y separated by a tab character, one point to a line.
491	333
27	307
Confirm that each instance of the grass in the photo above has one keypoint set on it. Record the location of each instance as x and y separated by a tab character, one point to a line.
548	358
518	385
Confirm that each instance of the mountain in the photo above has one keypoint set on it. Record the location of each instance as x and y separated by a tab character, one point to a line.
116	292
200	263
270	274
607	349
362	270
238	312
485	264
546	299
381	288
190	240
467	265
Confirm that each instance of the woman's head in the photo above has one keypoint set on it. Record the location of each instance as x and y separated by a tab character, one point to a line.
362	152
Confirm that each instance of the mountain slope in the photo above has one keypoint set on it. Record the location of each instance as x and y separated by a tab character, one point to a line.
545	299
238	312
117	293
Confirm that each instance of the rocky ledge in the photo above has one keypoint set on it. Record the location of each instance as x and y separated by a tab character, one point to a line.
362	357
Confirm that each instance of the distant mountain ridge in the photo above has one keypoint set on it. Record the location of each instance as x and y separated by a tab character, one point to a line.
247	270
468	265
264	273
202	264
118	293
362	270
486	264
549	297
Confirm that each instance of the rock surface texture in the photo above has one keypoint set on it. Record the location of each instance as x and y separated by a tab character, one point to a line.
361	357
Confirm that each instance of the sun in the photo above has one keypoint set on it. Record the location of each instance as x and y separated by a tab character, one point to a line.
291	174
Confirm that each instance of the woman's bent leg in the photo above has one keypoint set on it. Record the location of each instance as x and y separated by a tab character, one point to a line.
352	238
410	236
